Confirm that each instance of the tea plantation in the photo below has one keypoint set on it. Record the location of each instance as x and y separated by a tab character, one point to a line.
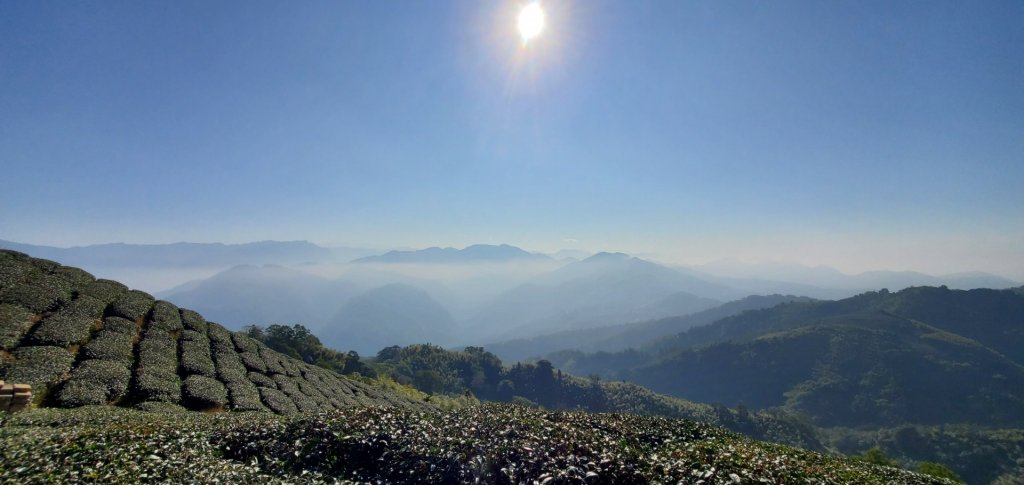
81	341
119	379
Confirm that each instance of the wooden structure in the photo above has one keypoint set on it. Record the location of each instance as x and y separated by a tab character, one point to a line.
14	397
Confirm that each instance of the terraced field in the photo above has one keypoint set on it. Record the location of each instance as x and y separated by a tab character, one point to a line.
82	341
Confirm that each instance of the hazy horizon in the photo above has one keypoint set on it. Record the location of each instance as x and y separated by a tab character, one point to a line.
856	135
696	263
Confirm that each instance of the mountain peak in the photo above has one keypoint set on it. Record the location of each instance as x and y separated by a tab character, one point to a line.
470	254
607	256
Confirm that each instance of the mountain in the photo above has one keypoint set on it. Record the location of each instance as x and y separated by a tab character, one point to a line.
393	314
471	254
827	278
623	336
109	352
571	254
81	341
922	355
179	254
246	294
603	289
992	317
160	267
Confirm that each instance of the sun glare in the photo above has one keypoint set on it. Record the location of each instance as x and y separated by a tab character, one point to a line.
531	22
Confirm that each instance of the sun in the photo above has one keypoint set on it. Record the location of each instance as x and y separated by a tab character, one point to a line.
531	22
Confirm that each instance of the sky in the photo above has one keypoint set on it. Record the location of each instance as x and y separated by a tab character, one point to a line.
856	134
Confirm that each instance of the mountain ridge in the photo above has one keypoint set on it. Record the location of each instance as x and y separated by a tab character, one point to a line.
470	254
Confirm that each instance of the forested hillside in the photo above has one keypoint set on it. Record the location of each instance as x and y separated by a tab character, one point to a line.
922	355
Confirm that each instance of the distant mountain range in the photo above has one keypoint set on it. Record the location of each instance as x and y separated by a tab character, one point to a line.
923	355
476	253
180	254
604	289
158	267
823	277
264	295
520	304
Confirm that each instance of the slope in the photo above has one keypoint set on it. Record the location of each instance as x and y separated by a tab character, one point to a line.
623	336
245	295
872	368
82	341
394	314
922	355
601	290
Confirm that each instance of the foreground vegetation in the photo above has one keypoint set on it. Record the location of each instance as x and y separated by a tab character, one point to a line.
449	377
488	443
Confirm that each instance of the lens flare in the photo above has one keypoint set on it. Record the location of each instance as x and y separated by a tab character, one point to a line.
531	22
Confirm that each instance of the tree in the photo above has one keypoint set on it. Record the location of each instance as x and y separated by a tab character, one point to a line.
875	456
938	470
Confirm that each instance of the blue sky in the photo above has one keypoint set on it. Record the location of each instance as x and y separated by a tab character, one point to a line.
857	134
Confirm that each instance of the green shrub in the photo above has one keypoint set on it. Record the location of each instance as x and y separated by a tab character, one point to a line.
133	305
111	345
253	362
195	337
195	357
156	374
38	292
244	397
272	360
72	324
166	317
200	392
160	407
14	322
290	367
120	325
155	383
78	279
40	366
75	394
193	321
244	344
313	393
13	269
95	382
104	290
305	404
285	384
262	380
85	306
290	388
220	339
44	264
277	401
158	348
230	368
